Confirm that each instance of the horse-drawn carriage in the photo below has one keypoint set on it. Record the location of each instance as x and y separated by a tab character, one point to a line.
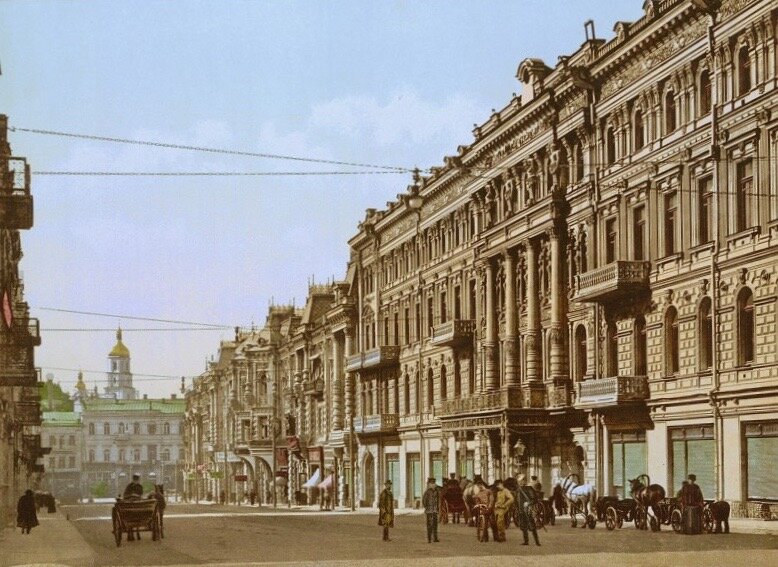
614	511
133	516
712	515
452	502
579	497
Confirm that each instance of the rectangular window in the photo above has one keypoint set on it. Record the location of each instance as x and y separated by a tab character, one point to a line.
457	302
393	471
671	220
71	462
386	337
418	322
693	452
611	240
467	467
628	460
106	428
473	300
436	466
414	476
430	315
744	187
705	210
106	456
443	311
407	326
762	448
639	233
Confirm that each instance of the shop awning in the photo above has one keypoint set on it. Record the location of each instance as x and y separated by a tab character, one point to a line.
314	480
326	483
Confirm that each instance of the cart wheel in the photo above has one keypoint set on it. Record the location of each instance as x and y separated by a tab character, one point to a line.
676	520
117	528
611	518
640	518
620	521
707	520
591	521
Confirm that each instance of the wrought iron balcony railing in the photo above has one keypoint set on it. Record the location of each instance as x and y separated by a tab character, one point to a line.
377	423
374	358
485	401
15	198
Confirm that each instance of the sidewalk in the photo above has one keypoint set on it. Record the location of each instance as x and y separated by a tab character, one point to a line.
54	542
753	526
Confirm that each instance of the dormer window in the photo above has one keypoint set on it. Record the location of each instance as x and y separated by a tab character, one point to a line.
531	73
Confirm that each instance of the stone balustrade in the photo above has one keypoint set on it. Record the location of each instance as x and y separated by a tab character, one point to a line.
453	332
506	398
377	423
611	391
612	280
373	358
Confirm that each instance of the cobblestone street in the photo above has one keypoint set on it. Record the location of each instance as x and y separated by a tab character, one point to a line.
219	535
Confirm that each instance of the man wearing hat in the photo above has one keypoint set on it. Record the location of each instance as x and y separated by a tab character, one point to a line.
431	503
502	503
526	497
386	509
134	489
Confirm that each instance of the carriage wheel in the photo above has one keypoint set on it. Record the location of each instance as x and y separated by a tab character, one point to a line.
117	528
539	511
620	521
443	515
591	521
482	530
676	520
640	518
707	520
611	518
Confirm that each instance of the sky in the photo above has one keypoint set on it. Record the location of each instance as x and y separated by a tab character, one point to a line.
388	82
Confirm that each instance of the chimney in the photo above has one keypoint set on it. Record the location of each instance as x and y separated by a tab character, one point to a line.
145	396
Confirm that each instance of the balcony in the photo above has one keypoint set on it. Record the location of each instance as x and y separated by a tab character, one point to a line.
612	391
375	358
26	331
15	198
483	402
379	423
618	279
453	332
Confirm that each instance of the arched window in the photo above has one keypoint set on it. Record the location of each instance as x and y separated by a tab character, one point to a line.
580	352
417	393
705	336
166	428
641	346
670	121
613	350
610	145
443	385
706	93
745	323
430	389
639	130
672	355
106	428
743	71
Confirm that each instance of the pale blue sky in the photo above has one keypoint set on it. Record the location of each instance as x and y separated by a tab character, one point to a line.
385	82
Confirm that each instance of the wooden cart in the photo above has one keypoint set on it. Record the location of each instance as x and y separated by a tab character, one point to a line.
130	516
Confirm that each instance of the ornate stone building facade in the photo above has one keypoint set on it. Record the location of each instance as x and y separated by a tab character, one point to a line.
20	442
589	287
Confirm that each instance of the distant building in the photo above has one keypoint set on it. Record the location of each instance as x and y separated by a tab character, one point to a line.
61	431
119	375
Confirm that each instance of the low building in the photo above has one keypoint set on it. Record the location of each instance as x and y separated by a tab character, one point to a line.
61	432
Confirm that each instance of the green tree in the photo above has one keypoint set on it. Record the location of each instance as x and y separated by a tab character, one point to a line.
53	398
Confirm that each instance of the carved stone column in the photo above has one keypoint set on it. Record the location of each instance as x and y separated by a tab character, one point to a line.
533	315
511	320
337	384
491	378
558	370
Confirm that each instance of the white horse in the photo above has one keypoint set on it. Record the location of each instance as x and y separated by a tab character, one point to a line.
578	495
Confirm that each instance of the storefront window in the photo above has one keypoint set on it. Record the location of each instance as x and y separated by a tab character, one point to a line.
393	472
762	454
693	452
436	467
628	460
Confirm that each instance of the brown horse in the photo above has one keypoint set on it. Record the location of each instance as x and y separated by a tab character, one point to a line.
648	496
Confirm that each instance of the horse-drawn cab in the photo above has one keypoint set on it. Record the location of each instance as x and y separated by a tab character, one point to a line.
452	502
647	498
579	497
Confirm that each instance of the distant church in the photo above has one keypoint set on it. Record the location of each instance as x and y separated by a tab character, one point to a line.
119	376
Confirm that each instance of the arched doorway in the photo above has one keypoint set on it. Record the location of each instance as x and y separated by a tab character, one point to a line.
368	480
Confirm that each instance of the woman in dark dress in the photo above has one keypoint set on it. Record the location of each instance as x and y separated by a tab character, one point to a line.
26	517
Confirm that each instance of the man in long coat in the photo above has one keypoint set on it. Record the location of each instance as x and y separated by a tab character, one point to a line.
525	498
386	509
26	517
431	503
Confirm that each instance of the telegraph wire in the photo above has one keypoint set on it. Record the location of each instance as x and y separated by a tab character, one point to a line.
131	330
134	318
149	376
204	149
210	173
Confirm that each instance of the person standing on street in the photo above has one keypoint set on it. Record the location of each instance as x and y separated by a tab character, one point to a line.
26	517
502	503
431	503
386	509
526	498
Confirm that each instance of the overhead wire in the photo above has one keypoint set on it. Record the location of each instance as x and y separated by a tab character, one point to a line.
210	173
187	147
133	317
